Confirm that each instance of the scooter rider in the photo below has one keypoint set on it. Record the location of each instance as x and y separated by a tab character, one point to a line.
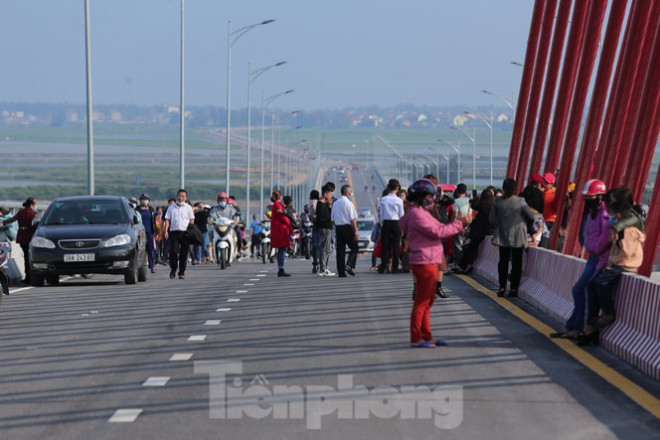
223	209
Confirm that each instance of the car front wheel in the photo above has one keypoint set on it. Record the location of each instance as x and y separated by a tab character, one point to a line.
131	275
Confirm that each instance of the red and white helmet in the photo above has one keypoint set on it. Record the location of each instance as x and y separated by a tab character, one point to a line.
594	187
221	195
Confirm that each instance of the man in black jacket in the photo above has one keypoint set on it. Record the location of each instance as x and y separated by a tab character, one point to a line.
324	225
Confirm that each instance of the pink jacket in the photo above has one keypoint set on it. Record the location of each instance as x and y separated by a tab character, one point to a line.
424	234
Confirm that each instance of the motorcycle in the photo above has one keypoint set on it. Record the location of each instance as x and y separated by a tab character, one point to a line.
225	242
6	278
295	243
266	250
306	239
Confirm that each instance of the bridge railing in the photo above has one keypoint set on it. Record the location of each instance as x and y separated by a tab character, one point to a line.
547	280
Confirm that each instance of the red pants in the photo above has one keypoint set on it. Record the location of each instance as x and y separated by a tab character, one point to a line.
420	317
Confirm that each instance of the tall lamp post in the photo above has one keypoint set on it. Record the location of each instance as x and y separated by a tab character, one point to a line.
232	37
251	77
90	113
473	138
509	103
264	103
439	153
490	127
457	148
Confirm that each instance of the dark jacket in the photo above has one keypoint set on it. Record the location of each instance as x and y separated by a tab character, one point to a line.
323	218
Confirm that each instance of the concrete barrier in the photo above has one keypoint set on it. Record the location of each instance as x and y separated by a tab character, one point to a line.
547	280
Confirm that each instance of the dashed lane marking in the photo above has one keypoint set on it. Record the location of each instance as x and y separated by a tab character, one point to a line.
156	381
181	356
126	415
241	291
261	275
197	338
213	322
248	284
254	279
223	309
643	398
233	300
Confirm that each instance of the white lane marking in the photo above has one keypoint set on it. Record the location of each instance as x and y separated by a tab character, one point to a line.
20	289
263	271
181	356
260	275
241	291
156	381
233	300
126	415
197	338
213	322
254	279
85	314
223	309
248	284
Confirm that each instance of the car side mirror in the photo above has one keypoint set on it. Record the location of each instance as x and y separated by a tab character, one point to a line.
136	221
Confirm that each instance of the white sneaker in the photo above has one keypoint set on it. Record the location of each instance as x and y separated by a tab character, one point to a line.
327	273
322	274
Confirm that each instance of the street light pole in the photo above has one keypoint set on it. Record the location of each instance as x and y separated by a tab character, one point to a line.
232	37
490	126
90	113
474	152
508	102
264	103
251	77
457	148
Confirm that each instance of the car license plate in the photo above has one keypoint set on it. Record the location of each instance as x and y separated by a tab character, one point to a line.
71	258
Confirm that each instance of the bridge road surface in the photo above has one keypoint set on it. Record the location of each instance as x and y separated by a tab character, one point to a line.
75	359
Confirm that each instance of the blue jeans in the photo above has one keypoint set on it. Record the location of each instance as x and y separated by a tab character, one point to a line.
576	320
281	253
203	249
601	293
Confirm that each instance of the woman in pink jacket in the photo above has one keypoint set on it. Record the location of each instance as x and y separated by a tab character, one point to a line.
424	234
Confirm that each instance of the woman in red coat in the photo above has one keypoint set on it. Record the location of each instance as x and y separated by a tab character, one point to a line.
26	228
280	231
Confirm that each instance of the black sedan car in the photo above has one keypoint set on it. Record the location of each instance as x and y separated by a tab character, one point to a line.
85	235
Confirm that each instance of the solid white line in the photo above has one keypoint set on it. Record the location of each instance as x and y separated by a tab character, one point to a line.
20	289
197	338
126	415
233	300
181	356
223	309
156	381
213	322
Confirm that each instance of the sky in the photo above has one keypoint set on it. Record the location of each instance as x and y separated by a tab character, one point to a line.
339	53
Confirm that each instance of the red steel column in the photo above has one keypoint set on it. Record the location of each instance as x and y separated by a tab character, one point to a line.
535	93
585	165
636	99
525	85
589	34
645	135
625	89
566	88
652	230
603	147
550	84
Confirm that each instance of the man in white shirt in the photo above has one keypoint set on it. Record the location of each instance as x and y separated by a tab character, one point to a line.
344	216
391	211
177	219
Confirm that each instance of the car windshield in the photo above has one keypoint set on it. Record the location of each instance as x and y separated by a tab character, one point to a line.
84	212
365	225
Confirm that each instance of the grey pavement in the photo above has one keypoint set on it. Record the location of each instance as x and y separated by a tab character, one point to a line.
74	354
